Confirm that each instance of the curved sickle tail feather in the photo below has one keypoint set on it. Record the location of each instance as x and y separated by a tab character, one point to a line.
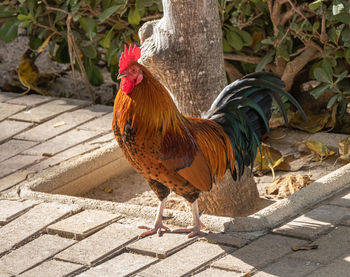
243	110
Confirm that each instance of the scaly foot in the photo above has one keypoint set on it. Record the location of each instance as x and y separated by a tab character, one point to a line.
151	231
192	232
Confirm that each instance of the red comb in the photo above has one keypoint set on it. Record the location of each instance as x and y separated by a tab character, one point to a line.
129	56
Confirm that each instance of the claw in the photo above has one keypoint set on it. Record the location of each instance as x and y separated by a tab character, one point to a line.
151	231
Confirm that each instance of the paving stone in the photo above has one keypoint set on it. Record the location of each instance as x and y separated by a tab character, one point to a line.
16	163
341	200
160	247
9	210
258	254
215	272
33	253
49	110
53	268
288	267
122	265
70	153
30	100
101	244
330	246
6	110
346	222
314	223
339	267
5	96
14	147
226	239
186	260
53	128
10	128
13	179
102	124
32	222
61	142
83	224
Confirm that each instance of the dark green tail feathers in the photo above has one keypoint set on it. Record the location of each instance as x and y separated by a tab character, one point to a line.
243	109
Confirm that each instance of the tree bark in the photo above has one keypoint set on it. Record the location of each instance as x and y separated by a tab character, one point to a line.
184	51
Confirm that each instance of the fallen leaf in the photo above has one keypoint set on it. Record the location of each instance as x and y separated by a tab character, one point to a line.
108	190
314	123
293	163
58	124
270	157
304	247
320	149
344	150
287	185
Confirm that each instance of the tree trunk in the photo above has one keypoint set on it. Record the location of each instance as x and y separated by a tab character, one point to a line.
184	51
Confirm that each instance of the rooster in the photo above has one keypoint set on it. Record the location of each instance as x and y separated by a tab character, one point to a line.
183	154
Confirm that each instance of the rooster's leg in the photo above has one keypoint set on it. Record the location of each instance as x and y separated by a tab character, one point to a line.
197	223
158	224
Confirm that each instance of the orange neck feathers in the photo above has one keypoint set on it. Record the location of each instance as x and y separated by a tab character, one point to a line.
150	107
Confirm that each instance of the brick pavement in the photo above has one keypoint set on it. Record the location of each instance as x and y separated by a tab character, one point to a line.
54	239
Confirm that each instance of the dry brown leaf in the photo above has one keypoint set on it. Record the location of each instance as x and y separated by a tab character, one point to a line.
344	150
315	122
287	185
321	150
292	163
270	158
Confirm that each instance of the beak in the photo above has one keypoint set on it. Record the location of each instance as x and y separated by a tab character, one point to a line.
121	75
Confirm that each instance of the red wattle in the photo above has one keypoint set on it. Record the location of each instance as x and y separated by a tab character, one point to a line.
126	85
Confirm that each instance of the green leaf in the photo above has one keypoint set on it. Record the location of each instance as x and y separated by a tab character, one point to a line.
23	17
6	11
34	42
142	4
89	25
106	40
93	73
108	12
317	92
234	40
134	17
226	46
315	27
345	35
337	9
268	41
89	51
332	101
9	30
265	60
282	51
246	37
315	5
347	55
332	35
341	77
324	73
112	56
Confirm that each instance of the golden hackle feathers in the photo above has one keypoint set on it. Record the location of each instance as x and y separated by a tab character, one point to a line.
151	108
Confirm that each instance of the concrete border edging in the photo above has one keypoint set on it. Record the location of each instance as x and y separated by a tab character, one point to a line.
99	163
